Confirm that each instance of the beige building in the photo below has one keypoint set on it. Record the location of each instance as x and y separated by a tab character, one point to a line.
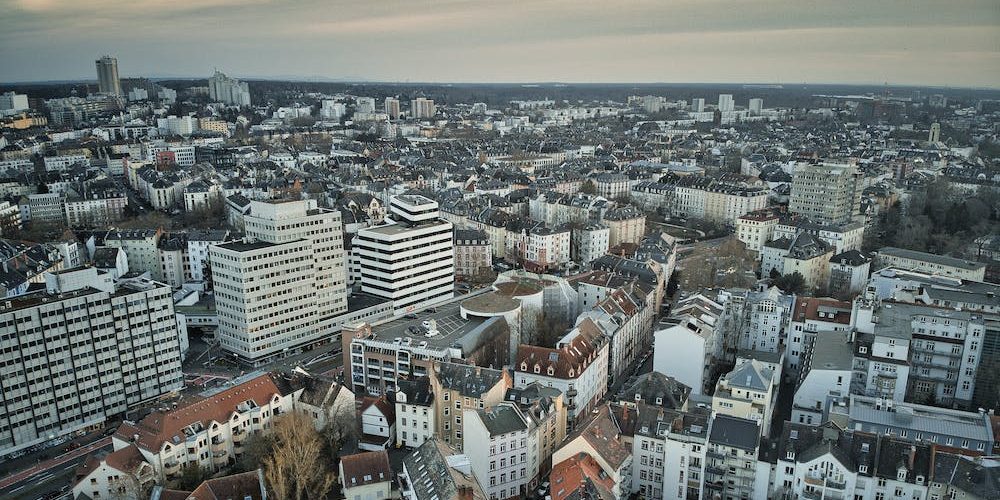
929	263
826	193
748	392
463	387
625	225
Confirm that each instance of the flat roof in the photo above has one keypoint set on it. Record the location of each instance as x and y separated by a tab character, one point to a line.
394	229
943	260
490	303
450	324
241	246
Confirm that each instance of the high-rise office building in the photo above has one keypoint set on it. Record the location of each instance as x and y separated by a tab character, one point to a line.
409	260
698	105
227	90
392	108
826	193
756	106
83	351
364	105
284	285
11	103
422	107
726	103
107	76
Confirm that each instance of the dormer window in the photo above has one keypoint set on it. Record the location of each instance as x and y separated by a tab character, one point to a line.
790	455
638	397
551	371
538	369
571	372
901	474
659	401
524	367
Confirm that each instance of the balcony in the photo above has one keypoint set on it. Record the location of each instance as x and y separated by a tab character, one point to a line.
220	457
171	467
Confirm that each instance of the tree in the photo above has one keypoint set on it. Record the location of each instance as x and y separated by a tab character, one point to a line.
192	475
588	187
256	447
339	430
791	283
297	465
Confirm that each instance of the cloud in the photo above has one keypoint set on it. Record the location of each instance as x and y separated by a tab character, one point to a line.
909	41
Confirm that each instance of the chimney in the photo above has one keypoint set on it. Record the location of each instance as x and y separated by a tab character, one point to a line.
465	493
912	455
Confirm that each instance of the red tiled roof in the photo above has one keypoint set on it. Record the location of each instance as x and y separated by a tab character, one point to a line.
807	308
572	474
159	426
567	362
365	468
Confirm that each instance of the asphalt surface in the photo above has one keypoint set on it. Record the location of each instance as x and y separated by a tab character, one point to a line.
48	478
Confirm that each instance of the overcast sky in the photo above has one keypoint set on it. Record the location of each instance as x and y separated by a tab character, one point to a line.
929	42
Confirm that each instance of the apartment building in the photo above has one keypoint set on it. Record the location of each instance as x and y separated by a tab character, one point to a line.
473	255
82	351
210	431
626	224
929	263
415	412
501	444
731	459
668	451
750	392
599	436
765	318
826	193
578	367
589	242
141	247
756	228
461	387
411	260
437	471
688	344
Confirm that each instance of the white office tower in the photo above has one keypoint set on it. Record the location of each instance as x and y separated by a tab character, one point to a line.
422	107
410	259
698	105
392	108
283	287
756	106
107	76
11	103
227	90
83	351
726	103
332	110
364	105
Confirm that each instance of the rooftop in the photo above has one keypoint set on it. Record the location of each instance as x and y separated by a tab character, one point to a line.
942	260
450	325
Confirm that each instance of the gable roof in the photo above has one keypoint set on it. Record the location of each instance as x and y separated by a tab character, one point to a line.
365	468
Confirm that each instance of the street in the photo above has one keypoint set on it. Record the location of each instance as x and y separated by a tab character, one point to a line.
51	475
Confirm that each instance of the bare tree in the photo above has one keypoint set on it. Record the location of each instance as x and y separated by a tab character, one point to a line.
297	465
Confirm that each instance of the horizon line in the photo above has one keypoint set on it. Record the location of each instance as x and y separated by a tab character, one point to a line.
323	79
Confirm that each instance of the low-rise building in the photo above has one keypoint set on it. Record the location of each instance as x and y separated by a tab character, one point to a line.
415	412
366	476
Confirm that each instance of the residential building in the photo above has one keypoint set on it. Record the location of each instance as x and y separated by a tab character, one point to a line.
366	475
848	274
806	254
435	471
415	412
766	316
545	408
462	387
755	229
580	477
107	76
119	474
378	423
929	263
826	193
810	316
502	448
749	392
141	246
122	340
212	429
198	244
473	255
589	242
826	373
731	459
599	437
422	108
224	89
410	260
668	451
690	342
578	367
626	224
965	432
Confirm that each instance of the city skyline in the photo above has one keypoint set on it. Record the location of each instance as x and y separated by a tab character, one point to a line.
548	41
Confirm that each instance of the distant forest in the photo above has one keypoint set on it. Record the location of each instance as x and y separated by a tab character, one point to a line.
501	93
